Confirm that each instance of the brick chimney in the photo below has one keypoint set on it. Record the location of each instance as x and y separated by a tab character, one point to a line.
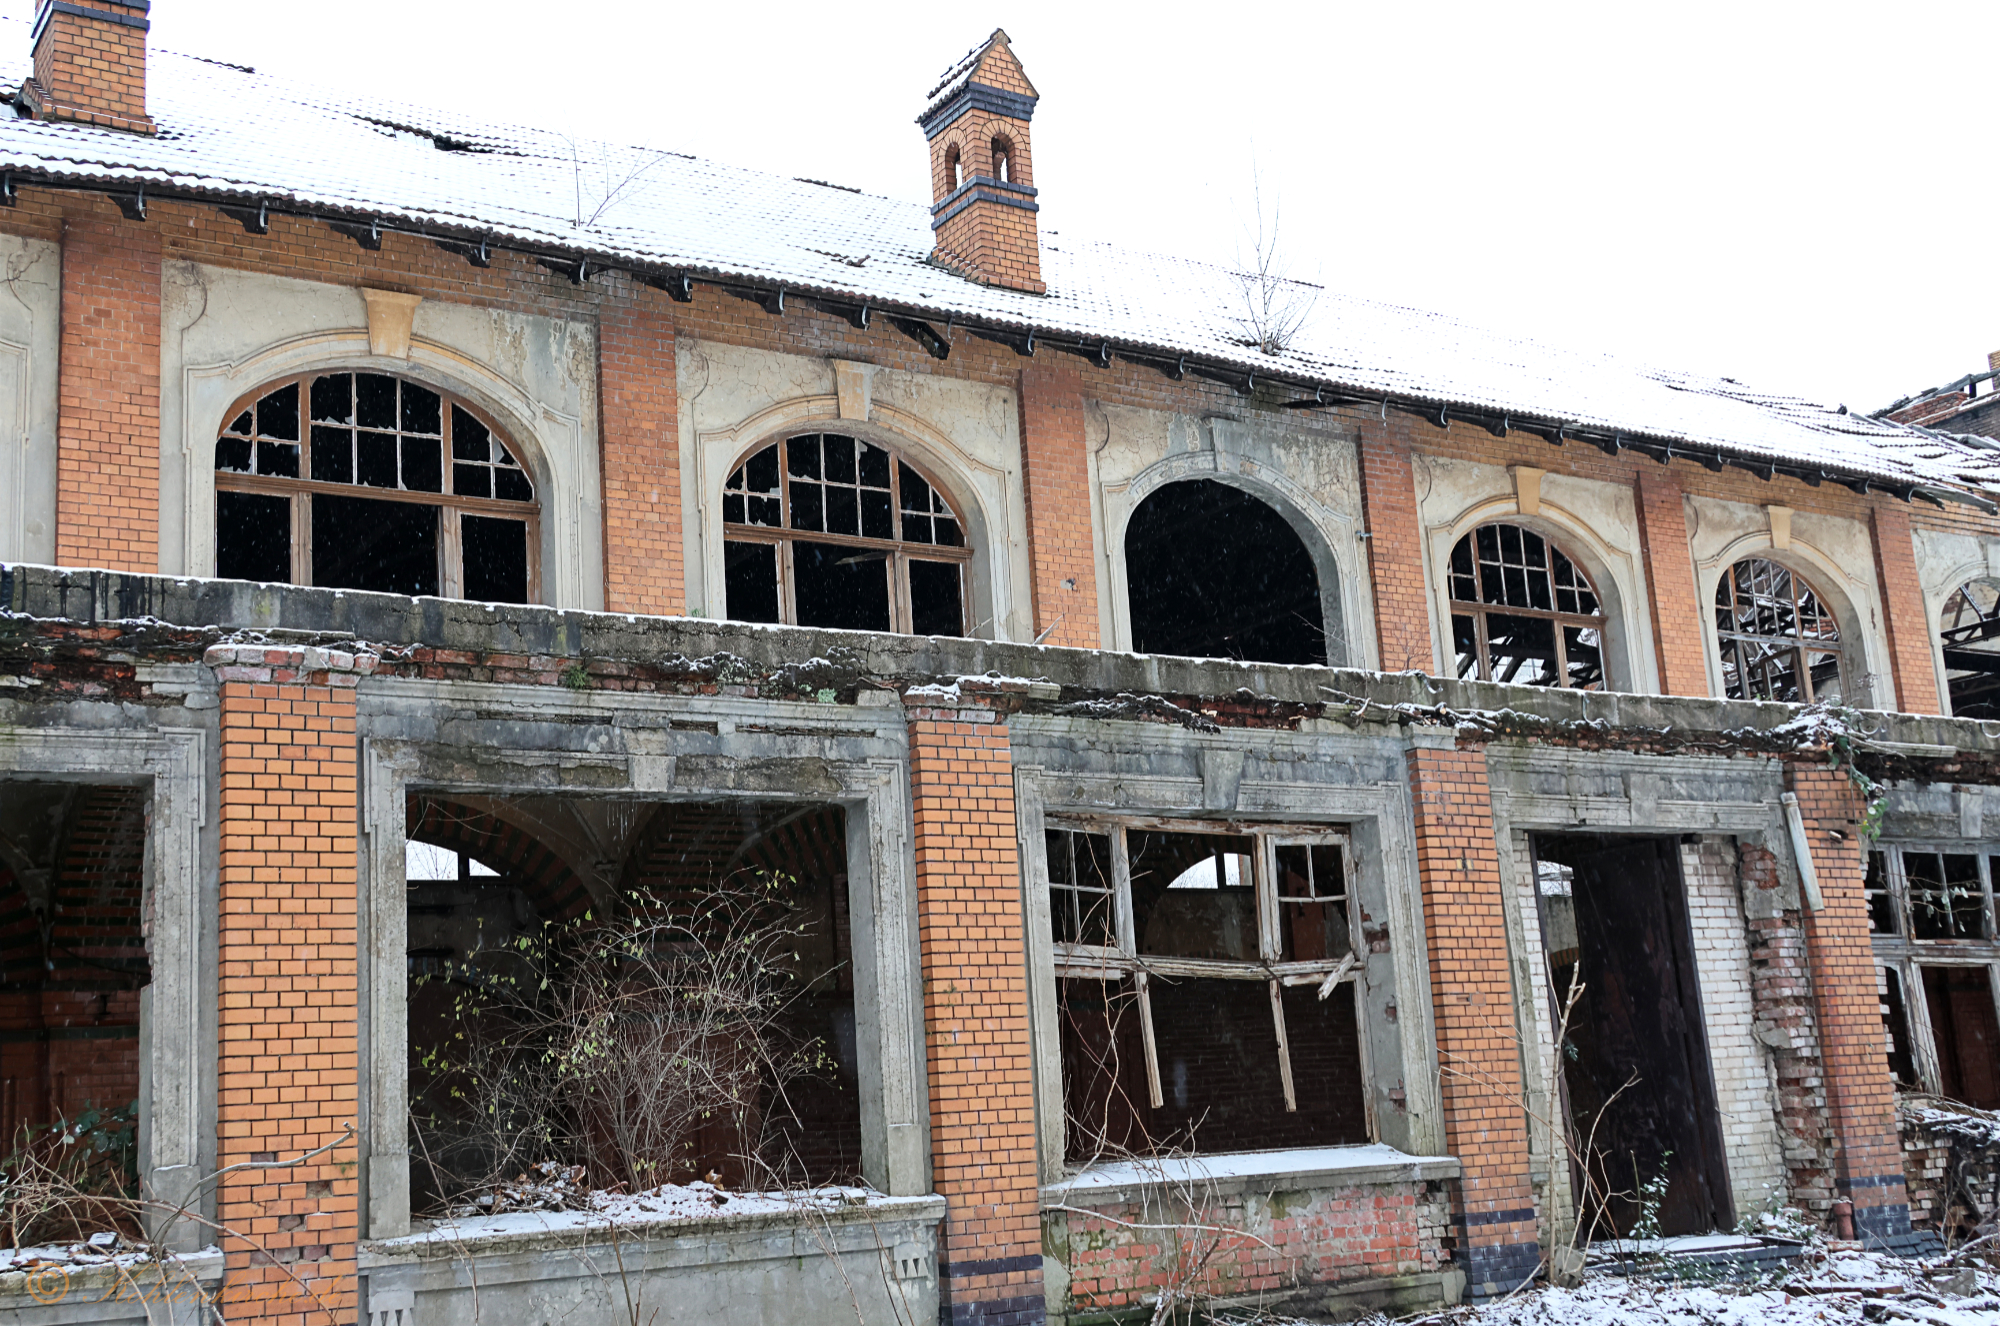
90	64
982	171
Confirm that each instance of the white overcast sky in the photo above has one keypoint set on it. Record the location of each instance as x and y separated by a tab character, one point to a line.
1799	196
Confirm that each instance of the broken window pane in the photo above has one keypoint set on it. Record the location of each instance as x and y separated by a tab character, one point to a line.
1896	1027
278	414
1970	629
375	401
1194	895
1881	901
935	598
1551	633
750	581
1312	903
753	495
496	559
234	454
1080	897
1215	573
332	454
841	586
1964	1030
1583	655
1521	650
362	543
1947	900
253	537
1763	613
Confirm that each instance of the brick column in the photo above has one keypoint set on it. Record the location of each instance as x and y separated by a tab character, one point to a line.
287	1079
1670	590
976	1018
643	554
108	415
1860	1097
1395	548
1903	606
1061	543
1479	1049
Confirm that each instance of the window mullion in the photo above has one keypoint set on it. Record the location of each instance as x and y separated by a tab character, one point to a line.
302	539
1128	945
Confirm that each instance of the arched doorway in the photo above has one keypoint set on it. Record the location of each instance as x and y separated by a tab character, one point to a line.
1213	572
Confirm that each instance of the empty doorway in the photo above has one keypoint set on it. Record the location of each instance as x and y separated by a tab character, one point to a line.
1634	1053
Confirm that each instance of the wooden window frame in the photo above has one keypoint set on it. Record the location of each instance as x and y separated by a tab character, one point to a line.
1478	609
899	552
1957	636
451	507
1906	955
1730	644
1122	960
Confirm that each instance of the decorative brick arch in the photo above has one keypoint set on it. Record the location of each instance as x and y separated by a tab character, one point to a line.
553	888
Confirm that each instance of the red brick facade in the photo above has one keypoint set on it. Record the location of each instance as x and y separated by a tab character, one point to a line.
1907	621
1395	549
642	471
1056	466
90	68
287	1081
1671	597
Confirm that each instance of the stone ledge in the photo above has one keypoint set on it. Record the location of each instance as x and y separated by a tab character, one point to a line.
1308	1167
107	1295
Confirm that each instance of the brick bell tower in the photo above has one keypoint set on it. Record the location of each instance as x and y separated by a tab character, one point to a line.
982	171
90	64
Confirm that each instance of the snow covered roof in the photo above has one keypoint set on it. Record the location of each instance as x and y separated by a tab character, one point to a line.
232	135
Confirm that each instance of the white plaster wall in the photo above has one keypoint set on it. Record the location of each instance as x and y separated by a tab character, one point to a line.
966	435
1946	560
30	346
1835	555
1745	1088
225	333
1596	523
1310	478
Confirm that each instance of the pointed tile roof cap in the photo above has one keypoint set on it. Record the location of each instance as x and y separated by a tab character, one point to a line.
966	68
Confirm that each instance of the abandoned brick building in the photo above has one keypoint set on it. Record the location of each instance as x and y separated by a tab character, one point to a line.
1204	776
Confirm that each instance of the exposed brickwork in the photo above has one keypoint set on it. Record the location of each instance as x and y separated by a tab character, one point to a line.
1056	465
642	471
989	241
1479	1053
1903	607
1861	1099
976	1018
89	69
108	427
1674	604
1277	1241
1395	548
287	1077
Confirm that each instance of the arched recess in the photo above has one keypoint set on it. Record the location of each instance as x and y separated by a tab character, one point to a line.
1965	644
985	497
1864	682
1319	529
534	431
1628	639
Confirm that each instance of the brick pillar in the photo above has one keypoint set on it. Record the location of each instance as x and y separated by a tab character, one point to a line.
1903	605
642	469
287	1081
1676	607
976	1018
1395	548
1061	543
1860	1097
108	420
1479	1051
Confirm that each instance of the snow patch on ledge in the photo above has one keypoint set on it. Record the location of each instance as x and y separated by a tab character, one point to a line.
1372	1163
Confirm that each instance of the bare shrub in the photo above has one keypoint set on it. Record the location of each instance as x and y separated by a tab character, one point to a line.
66	1181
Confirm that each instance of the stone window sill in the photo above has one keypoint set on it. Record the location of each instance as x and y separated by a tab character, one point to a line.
1251	1171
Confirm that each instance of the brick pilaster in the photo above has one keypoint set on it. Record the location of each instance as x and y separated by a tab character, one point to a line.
1860	1097
1395	548
1061	544
287	1076
976	1018
108	421
1479	1052
643	556
1670	589
1903	607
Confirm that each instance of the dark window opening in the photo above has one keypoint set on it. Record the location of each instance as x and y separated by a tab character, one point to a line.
1208	991
1635	1068
1522	612
1778	639
1214	573
870	513
373	431
1947	897
559	1011
1881	896
1003	161
1896	1027
1970	628
1967	1035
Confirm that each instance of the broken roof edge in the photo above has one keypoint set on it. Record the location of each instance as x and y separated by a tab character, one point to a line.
1328	390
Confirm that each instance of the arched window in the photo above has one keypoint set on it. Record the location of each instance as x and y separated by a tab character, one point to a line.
955	165
1211	572
1003	151
1779	641
1971	632
363	481
1522	612
828	530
